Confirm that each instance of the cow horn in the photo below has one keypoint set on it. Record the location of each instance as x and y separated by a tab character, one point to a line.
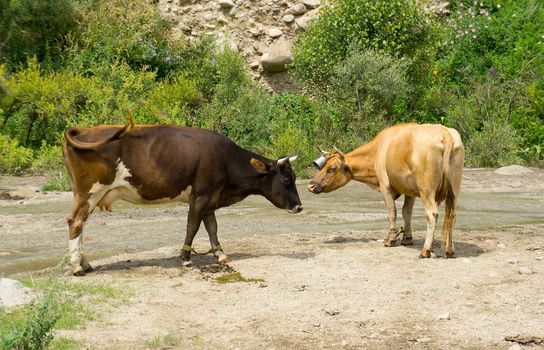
322	151
282	161
293	158
337	150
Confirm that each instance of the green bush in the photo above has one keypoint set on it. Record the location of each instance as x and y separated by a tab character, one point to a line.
127	32
34	330
14	159
397	27
239	109
41	29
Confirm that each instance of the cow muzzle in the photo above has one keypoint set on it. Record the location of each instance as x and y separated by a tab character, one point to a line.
314	187
296	209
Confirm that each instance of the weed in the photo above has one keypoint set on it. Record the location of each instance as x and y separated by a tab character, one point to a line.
236	277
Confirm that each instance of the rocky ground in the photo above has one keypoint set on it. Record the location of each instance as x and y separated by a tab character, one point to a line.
322	279
262	31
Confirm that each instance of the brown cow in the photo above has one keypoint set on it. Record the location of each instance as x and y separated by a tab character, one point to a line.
157	164
423	161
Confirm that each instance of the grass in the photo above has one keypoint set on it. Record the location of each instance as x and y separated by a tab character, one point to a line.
65	343
168	340
236	277
63	305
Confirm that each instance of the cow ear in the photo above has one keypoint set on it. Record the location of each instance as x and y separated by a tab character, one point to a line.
260	166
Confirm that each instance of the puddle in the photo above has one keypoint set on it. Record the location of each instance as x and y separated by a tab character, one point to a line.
34	236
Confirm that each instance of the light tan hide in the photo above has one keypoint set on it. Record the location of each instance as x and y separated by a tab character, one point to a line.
413	160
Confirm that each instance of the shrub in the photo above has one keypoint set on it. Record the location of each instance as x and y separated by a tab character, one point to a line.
239	109
126	32
397	27
15	159
41	29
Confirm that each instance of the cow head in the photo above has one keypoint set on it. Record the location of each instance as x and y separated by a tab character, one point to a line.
334	172
278	183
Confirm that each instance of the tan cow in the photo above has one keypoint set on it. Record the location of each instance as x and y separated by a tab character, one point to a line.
423	161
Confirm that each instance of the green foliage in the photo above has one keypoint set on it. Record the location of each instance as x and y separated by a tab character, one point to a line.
397	27
41	29
239	109
32	327
128	32
15	160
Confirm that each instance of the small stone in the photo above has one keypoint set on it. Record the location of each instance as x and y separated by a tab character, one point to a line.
501	246
444	317
288	18
380	240
525	271
255	32
226	4
311	4
512	261
540	258
541	302
298	9
275	32
424	340
336	239
254	65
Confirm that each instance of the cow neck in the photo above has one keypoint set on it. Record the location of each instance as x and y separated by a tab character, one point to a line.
245	179
361	161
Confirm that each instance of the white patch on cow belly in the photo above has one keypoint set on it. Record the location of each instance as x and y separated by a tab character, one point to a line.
120	188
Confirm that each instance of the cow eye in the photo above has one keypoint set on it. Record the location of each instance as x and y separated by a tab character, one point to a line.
286	180
331	170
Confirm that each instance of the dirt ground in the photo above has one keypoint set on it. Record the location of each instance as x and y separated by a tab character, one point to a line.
323	278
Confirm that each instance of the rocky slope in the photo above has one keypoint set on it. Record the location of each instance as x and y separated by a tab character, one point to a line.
262	31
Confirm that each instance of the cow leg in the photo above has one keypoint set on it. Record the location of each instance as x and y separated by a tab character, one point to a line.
75	221
431	210
389	199
407	216
446	235
197	206
211	226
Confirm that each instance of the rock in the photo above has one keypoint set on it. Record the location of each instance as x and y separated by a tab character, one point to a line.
336	239
525	271
254	65
276	56
303	22
513	170
501	246
540	258
13	293
288	18
424	340
380	240
226	4
311	4
255	32
512	261
298	9
275	32
444	317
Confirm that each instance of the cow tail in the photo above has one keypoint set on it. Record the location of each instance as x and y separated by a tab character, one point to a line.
71	133
450	196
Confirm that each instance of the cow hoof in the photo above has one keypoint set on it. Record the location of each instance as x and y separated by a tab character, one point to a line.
425	254
449	255
406	241
390	243
223	259
78	271
187	263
